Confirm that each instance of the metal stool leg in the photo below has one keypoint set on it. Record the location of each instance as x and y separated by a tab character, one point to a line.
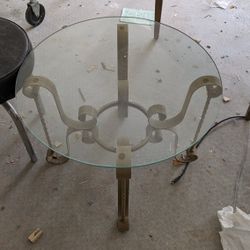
20	127
248	113
158	9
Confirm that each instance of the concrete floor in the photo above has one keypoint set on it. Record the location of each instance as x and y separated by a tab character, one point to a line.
75	205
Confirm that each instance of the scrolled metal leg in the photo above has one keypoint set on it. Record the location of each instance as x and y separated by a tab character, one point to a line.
123	174
20	127
122	65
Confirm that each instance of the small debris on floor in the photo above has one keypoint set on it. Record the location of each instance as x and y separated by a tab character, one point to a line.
159	80
35	235
10	161
108	68
2	208
197	41
81	94
150	236
157	71
209	171
57	144
90	203
226	99
173	6
247	71
18	226
208	46
207	16
233	7
106	4
222	4
226	56
83	182
92	68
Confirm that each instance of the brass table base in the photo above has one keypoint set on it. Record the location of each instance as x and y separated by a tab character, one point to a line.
123	175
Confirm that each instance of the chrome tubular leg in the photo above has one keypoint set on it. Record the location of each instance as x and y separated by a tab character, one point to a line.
20	127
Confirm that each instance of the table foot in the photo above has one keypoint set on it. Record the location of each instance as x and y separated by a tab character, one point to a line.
54	158
123	226
190	156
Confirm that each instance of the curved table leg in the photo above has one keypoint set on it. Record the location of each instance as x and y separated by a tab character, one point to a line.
51	157
20	127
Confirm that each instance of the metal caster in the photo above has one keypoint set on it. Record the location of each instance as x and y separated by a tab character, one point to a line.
35	13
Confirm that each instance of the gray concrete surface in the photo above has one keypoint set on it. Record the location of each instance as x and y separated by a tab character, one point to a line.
75	205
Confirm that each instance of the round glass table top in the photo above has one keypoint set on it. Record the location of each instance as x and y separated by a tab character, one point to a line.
101	87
